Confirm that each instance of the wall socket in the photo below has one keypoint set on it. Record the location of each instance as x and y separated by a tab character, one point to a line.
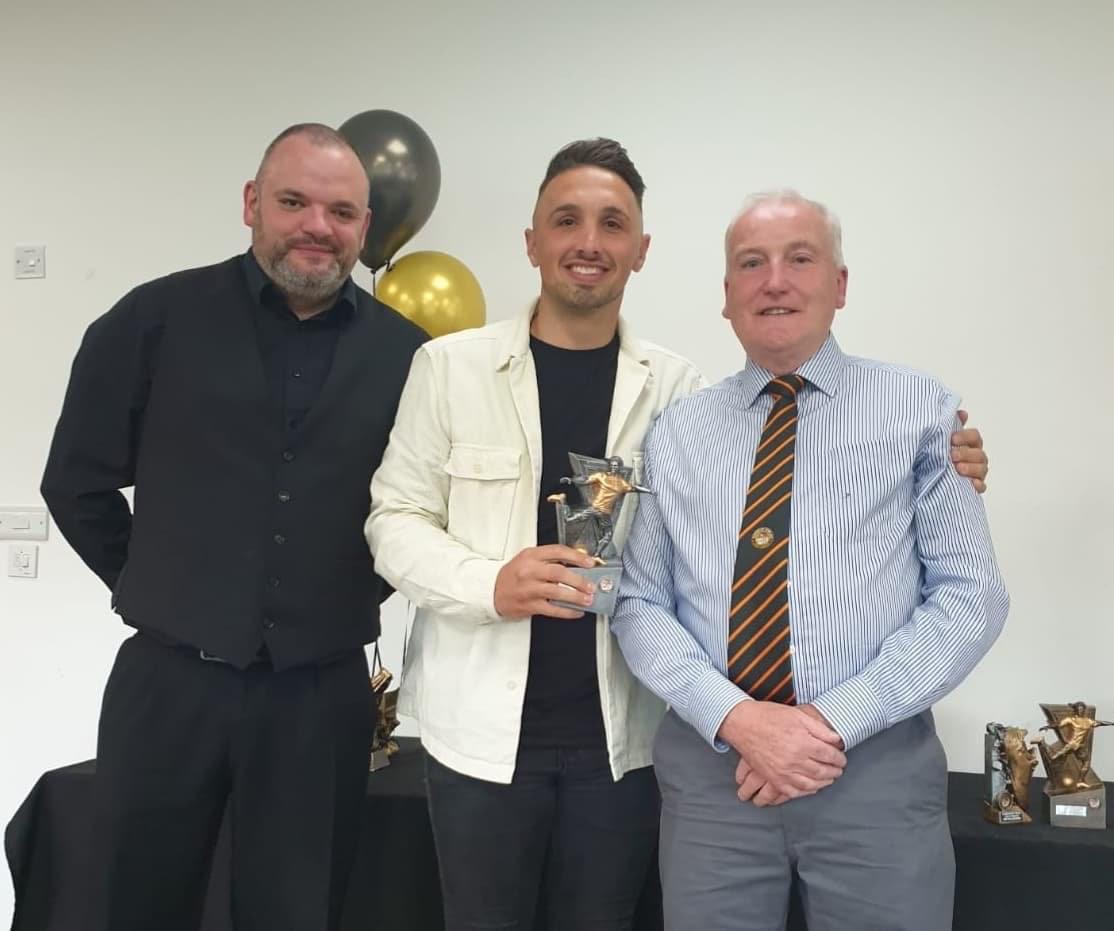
23	560
23	523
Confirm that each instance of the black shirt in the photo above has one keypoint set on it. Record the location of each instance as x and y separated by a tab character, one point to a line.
562	705
297	354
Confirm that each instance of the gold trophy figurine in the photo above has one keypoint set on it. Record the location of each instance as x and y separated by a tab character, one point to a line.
383	746
1074	795
1009	767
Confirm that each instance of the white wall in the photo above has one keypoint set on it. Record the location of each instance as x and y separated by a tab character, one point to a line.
967	148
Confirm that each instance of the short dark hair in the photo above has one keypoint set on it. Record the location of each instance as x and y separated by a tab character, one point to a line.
598	153
317	133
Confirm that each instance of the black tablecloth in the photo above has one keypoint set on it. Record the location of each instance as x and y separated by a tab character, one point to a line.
1012	877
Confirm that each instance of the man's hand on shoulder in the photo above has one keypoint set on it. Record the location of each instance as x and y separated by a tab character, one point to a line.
968	455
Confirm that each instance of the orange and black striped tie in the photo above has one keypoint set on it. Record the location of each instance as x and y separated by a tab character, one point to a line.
759	657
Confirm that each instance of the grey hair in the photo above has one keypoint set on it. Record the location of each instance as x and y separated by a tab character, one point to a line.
788	195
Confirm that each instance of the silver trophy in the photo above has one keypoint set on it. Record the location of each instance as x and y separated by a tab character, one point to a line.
602	485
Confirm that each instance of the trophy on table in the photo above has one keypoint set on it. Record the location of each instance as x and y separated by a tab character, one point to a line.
383	746
590	526
1074	796
1009	767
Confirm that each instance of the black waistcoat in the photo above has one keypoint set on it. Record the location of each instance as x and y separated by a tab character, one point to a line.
240	536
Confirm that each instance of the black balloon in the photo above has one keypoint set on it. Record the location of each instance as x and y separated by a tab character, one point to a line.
404	174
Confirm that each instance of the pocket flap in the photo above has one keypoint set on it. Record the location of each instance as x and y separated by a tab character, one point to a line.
483	462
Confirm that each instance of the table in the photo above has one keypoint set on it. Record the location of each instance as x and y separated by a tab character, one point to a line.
1006	877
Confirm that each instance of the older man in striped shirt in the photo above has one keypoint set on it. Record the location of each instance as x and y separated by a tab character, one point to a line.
809	578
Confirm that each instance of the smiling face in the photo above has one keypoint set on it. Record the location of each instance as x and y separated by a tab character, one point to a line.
308	214
586	239
783	284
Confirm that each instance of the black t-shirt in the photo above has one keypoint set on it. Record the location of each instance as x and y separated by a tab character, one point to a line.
562	706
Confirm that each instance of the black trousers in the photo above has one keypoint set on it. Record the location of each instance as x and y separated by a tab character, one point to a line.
563	847
181	739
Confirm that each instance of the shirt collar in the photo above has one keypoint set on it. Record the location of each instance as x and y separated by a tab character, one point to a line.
265	293
823	371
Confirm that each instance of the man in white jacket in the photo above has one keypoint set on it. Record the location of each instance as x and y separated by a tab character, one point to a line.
538	738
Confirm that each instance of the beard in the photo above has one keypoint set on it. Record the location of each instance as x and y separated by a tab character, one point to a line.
303	286
583	301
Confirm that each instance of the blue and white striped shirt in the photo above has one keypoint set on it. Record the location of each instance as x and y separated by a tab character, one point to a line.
894	591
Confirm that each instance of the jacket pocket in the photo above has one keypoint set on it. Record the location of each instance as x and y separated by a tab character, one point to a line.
482	485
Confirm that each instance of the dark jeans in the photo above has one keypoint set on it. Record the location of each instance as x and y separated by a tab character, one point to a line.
180	739
563	843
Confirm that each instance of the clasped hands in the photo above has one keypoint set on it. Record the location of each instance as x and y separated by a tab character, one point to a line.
785	751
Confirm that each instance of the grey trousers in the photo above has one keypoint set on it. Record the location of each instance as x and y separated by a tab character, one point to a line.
873	851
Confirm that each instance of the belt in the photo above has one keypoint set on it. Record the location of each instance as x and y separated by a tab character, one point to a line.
263	657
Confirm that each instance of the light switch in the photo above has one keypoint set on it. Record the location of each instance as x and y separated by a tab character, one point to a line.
30	261
23	560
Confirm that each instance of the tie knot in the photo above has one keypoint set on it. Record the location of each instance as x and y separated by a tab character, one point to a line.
785	387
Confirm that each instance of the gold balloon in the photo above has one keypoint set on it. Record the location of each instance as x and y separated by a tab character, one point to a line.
434	290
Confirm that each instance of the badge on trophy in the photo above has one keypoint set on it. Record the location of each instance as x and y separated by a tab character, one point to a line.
589	526
1009	767
1074	796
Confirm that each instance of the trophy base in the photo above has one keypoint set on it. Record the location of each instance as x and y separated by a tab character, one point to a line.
379	760
1083	809
606	579
996	815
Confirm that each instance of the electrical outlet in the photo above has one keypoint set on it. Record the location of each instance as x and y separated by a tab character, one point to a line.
23	523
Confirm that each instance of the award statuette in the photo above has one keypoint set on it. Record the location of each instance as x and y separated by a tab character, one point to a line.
590	526
1074	796
383	746
1009	765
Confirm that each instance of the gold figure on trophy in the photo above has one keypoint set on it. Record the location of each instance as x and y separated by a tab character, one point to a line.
1068	760
606	491
1074	794
1010	765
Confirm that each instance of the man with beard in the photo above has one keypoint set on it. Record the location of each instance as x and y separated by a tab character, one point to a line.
538	737
247	402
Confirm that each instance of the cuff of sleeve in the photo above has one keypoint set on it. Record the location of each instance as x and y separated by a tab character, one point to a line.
478	576
710	699
854	711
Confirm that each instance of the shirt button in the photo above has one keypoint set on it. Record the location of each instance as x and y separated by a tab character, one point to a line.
512	685
274	581
283	496
297	373
287	456
268	624
279	539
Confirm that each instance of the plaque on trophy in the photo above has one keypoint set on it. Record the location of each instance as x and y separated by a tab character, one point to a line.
1074	795
1010	762
589	526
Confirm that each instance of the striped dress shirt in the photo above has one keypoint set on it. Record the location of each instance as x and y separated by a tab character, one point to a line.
894	591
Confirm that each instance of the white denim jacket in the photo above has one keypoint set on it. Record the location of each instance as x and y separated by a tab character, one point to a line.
456	498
